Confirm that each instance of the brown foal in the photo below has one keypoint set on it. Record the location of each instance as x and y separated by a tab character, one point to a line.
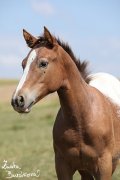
86	132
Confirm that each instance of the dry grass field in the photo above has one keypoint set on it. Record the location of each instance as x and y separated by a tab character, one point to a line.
26	140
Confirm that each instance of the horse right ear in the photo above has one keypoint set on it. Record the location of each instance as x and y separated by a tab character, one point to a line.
51	39
30	40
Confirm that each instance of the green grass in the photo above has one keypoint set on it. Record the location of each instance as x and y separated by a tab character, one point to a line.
27	140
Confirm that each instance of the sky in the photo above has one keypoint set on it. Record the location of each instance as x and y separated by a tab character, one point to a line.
91	27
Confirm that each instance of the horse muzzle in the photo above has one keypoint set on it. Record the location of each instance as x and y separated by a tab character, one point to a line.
19	104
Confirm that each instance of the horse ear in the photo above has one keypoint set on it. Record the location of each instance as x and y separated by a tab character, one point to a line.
49	37
30	40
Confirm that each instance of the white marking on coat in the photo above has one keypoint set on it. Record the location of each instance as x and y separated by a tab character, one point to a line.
31	58
108	85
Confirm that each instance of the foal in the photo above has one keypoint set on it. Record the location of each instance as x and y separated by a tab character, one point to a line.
86	130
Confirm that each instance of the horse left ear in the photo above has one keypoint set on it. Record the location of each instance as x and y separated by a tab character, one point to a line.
49	37
30	40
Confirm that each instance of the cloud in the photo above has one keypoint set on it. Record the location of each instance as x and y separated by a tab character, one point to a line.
12	51
43	7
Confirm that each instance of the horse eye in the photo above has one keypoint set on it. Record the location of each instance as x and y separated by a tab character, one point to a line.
43	64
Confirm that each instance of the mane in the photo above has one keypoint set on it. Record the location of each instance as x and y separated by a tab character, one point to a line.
81	65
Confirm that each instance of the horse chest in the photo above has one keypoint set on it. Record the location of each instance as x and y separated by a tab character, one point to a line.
69	145
66	139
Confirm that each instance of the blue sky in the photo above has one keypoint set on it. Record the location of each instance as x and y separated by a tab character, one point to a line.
91	27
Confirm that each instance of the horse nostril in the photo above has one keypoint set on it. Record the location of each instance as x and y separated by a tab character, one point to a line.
20	101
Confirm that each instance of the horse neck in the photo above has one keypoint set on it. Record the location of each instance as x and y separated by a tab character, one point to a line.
74	96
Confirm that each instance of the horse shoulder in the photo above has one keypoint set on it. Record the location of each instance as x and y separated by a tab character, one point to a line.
99	124
63	132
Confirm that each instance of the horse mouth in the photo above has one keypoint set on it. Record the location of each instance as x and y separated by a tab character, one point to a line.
25	109
28	109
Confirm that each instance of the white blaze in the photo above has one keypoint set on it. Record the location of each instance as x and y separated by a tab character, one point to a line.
31	58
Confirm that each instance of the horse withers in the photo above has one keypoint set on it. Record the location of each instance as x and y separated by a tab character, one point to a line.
86	131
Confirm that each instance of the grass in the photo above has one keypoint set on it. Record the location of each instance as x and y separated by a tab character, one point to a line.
27	140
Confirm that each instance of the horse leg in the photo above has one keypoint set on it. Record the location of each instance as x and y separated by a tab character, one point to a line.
104	167
63	170
85	175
